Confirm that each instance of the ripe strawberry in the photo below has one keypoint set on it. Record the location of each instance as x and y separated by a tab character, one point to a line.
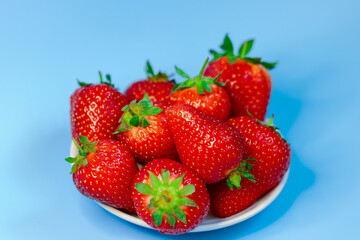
144	131
203	93
272	154
248	82
96	109
169	197
206	145
104	171
158	86
226	202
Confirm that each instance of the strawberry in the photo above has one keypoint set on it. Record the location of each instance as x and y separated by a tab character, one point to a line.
203	93
206	145
96	109
248	82
170	197
158	86
226	202
272	154
144	131
104	171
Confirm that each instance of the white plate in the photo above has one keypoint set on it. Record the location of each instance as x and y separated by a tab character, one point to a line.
210	222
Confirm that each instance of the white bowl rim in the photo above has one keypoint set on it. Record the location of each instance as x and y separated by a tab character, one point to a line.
210	223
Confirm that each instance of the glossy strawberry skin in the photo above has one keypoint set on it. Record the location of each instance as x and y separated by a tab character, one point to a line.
158	91
108	176
271	151
273	156
206	145
194	215
151	142
226	202
95	111
215	104
248	85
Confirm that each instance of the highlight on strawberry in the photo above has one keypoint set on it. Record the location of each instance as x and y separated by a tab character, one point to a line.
169	197
158	86
247	79
144	130
104	171
203	93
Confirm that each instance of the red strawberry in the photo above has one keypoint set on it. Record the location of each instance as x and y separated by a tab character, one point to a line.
272	154
248	82
203	93
206	145
144	131
104	171
158	86
95	110
226	202
169	197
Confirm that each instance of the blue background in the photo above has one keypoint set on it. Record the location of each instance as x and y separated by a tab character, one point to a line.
45	47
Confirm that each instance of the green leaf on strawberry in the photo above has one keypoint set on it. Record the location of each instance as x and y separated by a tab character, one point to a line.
180	214
149	70
268	65
242	171
253	60
80	159
82	84
159	77
135	114
245	48
227	45
145	189
181	72
151	111
200	82
242	54
269	124
106	81
165	174
167	198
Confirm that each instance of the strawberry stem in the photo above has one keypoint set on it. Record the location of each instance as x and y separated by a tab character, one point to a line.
101	78
203	84
81	158
81	151
270	121
203	68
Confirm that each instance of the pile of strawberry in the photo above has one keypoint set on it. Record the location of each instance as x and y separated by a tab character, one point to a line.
202	143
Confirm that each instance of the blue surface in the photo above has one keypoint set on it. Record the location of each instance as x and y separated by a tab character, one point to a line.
45	46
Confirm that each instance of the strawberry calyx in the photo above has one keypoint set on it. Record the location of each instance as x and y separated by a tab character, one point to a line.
106	81
269	124
135	114
234	178
167	197
228	51
80	159
159	77
200	82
